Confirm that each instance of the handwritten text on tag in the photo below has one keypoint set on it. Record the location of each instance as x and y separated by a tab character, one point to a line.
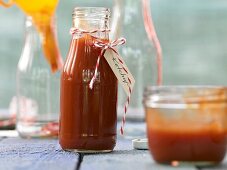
120	70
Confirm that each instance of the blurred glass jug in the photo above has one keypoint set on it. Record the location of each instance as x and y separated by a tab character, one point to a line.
142	52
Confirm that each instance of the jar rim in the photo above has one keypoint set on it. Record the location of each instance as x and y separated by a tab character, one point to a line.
184	94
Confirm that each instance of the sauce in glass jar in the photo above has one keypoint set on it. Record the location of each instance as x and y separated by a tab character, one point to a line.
88	116
187	124
199	146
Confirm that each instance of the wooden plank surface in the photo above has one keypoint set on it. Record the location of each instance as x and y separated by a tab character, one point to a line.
124	157
38	154
35	154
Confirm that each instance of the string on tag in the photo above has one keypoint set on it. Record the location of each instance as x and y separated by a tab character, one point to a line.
104	46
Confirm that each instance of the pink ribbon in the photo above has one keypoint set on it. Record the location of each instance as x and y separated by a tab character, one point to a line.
104	46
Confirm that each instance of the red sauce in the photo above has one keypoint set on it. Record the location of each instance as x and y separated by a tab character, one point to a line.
188	134
88	117
167	146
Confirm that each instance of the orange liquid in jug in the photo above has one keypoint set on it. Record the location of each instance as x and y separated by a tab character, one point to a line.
42	13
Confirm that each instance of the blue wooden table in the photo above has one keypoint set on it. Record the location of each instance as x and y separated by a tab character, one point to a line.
37	154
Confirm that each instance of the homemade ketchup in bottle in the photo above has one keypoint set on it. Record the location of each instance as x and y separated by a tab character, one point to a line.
88	116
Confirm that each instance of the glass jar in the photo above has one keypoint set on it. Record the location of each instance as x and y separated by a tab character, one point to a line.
37	89
187	124
88	116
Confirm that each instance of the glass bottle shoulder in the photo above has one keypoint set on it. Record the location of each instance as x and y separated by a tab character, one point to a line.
82	59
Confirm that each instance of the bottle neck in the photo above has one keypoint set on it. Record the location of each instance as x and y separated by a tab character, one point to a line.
91	19
32	36
32	46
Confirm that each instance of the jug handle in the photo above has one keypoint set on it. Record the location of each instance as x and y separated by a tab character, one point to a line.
150	29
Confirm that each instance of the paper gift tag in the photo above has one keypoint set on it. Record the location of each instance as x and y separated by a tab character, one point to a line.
120	70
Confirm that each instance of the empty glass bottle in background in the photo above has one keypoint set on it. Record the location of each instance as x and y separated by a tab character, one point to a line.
37	89
139	54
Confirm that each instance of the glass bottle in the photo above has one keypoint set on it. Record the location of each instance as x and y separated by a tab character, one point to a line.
37	89
88	116
139	54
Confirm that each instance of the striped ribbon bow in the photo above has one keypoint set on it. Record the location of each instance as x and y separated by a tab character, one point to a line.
104	46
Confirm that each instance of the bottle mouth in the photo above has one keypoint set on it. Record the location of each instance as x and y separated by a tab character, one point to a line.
91	13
